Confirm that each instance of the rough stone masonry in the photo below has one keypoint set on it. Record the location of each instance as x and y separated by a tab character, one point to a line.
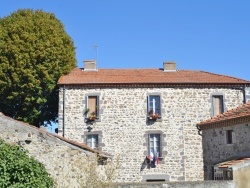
124	127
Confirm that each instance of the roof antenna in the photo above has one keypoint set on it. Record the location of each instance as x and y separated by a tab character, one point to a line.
96	51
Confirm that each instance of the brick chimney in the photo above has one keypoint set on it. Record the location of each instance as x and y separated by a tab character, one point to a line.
169	67
89	65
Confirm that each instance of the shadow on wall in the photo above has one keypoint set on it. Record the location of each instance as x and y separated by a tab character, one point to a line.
148	163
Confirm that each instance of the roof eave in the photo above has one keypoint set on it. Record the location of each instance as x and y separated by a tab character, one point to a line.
189	84
223	123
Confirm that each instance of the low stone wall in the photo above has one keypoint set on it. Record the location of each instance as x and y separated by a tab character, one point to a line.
241	174
196	184
64	161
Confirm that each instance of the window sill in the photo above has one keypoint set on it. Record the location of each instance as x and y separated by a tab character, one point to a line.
156	162
160	158
91	120
152	119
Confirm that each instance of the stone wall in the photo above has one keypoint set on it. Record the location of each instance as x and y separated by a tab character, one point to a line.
241	174
196	184
216	149
123	123
63	160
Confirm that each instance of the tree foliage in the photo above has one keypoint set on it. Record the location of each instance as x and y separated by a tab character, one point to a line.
35	51
19	170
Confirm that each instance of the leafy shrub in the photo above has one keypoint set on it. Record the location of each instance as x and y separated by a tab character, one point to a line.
18	170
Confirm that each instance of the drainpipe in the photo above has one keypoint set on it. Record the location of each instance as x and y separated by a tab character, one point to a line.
243	89
244	94
63	133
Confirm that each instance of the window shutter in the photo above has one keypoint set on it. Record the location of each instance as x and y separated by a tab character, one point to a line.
233	137
160	149
88	140
148	144
159	105
148	104
218	105
97	106
86	104
92	104
221	105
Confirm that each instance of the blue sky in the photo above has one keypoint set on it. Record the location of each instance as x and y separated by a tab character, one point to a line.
208	35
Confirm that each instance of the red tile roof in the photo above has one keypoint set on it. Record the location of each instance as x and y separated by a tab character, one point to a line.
235	116
231	163
146	76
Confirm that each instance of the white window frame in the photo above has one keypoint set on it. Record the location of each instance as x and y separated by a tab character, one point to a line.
155	138
153	106
94	144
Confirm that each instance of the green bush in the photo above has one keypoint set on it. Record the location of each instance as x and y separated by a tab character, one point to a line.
17	169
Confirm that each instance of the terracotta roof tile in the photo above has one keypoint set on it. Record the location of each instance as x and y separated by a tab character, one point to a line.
236	114
146	76
231	163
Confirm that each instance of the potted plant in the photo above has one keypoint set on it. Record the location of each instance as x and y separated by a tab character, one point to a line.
92	116
86	111
153	116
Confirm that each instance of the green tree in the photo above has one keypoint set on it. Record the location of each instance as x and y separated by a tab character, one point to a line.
19	170
35	51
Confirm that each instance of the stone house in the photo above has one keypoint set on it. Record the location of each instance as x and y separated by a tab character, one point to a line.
64	159
146	116
226	148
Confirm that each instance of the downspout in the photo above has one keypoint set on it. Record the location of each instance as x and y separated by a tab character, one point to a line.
63	133
243	89
244	94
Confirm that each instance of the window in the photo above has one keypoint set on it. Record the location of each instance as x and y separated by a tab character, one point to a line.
229	136
154	106
155	144
218	107
92	141
92	109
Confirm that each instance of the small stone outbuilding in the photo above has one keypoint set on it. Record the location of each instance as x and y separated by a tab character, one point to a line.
226	146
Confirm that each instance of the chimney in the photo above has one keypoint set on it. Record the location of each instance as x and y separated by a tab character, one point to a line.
89	65
169	67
